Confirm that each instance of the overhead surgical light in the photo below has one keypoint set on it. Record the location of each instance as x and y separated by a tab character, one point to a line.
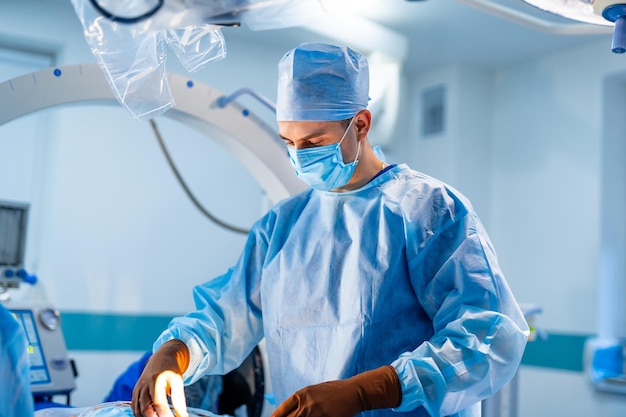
598	12
129	38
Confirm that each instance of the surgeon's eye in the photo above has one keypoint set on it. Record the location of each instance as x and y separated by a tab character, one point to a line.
314	142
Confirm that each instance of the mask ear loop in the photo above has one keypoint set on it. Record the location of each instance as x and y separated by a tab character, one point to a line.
346	131
356	157
358	148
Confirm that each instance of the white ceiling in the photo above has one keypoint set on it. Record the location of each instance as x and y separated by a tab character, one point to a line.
444	32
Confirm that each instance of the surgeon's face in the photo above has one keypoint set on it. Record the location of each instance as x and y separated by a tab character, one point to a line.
307	134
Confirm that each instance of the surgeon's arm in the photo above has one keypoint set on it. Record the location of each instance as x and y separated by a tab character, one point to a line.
213	339
479	330
379	388
162	377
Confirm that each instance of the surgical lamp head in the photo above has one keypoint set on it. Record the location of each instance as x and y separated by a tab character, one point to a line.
597	12
321	82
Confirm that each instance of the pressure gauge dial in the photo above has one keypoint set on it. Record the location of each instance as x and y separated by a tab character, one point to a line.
50	318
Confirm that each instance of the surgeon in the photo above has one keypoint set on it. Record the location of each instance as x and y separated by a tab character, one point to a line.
375	289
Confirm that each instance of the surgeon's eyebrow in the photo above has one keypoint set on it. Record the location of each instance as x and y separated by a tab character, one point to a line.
315	134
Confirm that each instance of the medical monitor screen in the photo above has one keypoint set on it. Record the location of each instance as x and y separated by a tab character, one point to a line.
38	369
12	233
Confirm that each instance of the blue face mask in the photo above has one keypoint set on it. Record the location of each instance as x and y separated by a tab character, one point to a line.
322	167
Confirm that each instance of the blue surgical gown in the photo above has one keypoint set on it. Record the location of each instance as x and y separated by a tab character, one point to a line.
400	272
16	398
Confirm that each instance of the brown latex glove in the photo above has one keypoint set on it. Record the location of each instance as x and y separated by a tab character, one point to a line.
162	377
379	388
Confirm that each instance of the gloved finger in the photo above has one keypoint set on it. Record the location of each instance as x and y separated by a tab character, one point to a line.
142	402
286	407
144	409
177	395
159	397
134	405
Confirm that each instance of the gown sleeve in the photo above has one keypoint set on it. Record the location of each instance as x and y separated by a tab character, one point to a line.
227	322
479	330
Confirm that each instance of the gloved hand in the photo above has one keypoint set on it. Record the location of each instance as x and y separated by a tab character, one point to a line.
162	376
379	388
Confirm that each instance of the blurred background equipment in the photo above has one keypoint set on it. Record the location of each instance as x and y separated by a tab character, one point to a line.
52	372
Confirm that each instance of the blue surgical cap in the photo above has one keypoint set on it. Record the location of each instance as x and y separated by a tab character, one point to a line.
320	82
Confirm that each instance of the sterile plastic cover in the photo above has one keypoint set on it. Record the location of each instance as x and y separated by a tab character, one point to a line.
132	56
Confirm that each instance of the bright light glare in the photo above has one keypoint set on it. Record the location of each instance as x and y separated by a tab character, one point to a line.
580	10
334	6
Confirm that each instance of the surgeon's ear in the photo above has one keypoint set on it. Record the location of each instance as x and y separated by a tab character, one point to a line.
363	122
